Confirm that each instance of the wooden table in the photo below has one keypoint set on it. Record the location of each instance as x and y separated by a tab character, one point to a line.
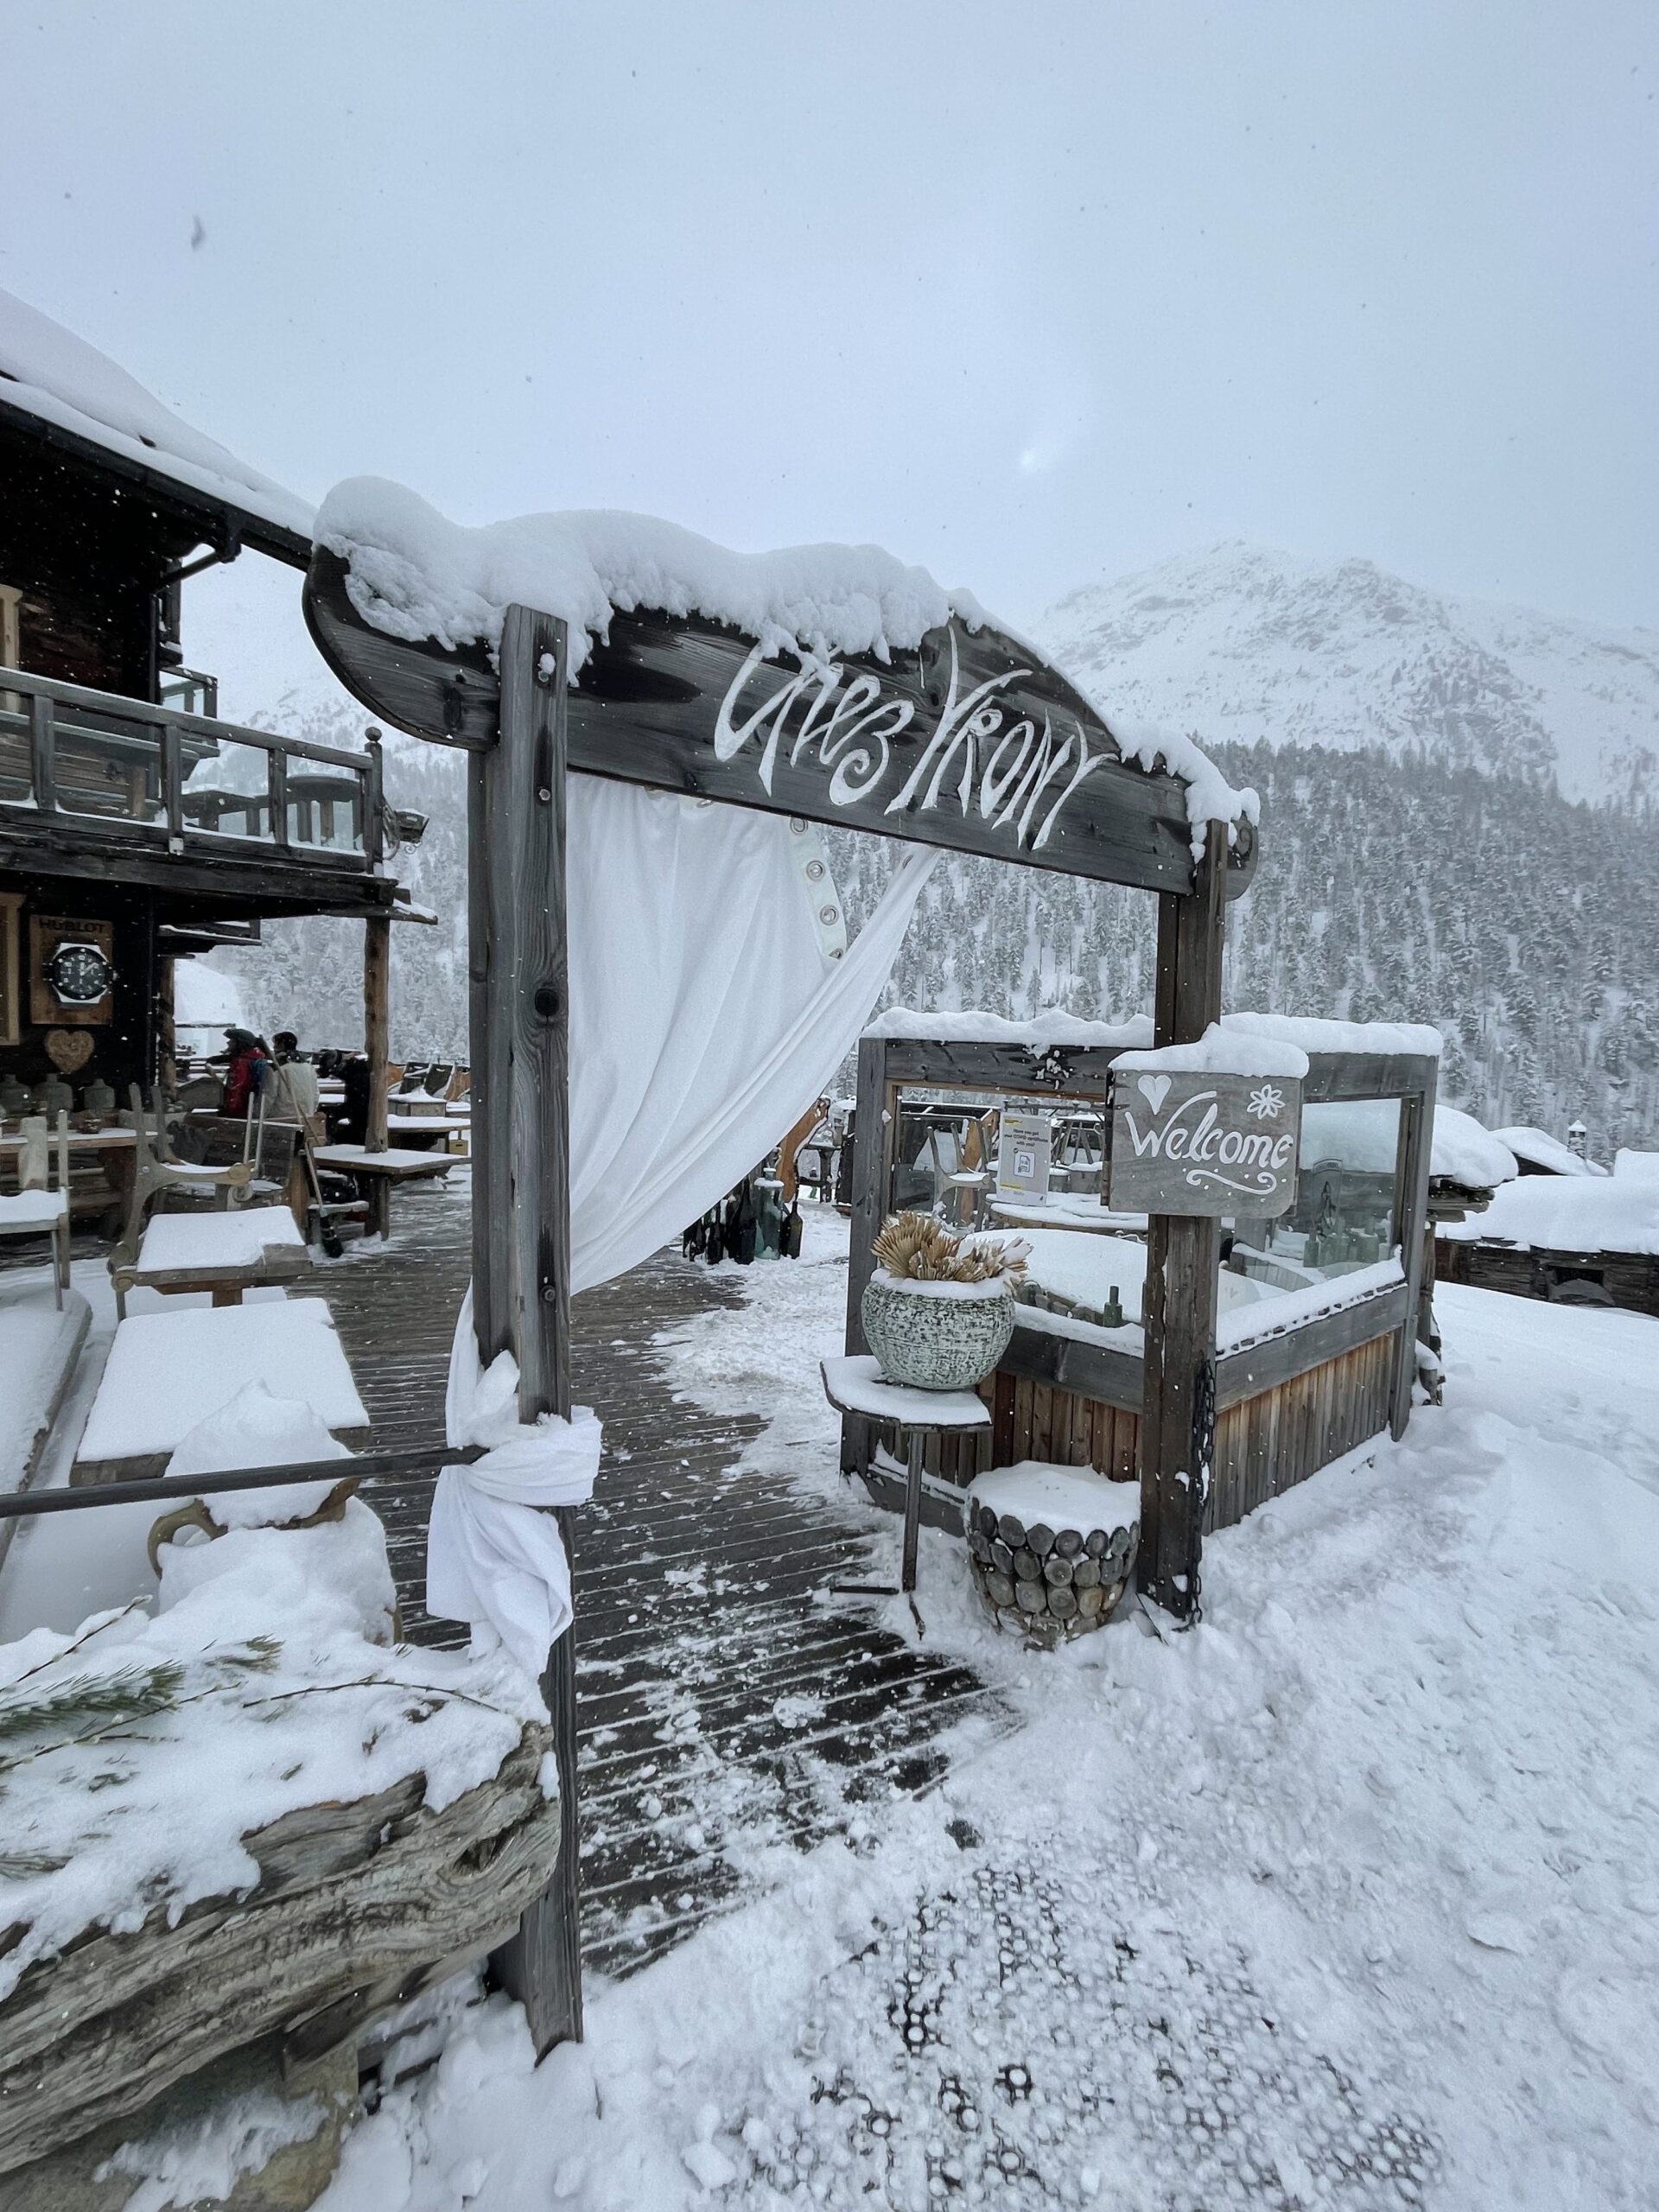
263	1246
397	1165
854	1384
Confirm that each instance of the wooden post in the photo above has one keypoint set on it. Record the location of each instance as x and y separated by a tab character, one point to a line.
1417	1145
377	1028
521	1187
1178	1416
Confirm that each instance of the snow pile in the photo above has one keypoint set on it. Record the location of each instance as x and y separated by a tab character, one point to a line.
414	574
1224	1049
257	1430
48	372
1545	1152
1390	1039
1053	1028
200	2161
1466	1153
136	1754
1037	1491
1562	1213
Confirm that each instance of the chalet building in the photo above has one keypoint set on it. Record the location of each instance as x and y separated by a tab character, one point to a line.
135	827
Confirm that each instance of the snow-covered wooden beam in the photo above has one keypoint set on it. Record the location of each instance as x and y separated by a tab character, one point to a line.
970	741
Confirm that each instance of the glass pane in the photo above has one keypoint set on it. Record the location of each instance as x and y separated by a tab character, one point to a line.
1345	1215
107	766
324	806
226	787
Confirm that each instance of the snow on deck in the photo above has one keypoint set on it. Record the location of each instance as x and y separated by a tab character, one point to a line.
728	1704
1343	1900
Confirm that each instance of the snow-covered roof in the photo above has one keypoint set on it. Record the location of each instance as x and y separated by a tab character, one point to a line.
46	371
1630	1167
414	574
1375	1039
1468	1154
1563	1213
1546	1152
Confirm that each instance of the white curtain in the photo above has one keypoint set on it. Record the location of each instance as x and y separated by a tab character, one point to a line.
705	1015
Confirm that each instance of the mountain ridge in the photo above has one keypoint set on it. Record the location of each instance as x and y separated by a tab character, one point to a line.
1239	642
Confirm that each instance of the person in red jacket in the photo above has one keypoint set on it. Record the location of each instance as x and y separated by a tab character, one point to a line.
244	1073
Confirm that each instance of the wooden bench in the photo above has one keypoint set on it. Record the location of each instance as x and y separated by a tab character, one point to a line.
167	1372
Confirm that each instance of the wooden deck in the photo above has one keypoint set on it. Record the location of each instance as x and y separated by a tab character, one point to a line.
725	1704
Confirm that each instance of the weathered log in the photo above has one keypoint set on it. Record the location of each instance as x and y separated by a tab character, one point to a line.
1056	1571
999	1588
1002	1557
1090	1601
980	1547
1027	1566
1040	1539
1029	1597
1096	1542
1063	1604
1085	1574
988	1520
1068	1543
1012	1531
356	1908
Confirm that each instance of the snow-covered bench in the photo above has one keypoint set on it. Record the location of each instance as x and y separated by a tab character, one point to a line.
165	1372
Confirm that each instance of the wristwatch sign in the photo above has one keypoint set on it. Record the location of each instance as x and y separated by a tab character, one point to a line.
1193	1143
71	970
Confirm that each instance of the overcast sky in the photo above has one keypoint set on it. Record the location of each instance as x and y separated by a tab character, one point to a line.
1030	294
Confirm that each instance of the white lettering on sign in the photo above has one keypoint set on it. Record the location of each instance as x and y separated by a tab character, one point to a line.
1205	1144
1012	774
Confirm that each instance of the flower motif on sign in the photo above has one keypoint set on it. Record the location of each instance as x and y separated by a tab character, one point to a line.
1268	1103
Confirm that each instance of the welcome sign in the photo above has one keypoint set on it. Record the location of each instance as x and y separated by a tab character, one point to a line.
1199	1143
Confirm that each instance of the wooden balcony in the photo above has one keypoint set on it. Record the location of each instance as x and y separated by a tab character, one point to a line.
93	784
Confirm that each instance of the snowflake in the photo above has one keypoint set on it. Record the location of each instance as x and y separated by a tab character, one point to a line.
1268	1103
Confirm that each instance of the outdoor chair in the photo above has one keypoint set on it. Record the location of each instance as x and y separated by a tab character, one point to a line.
154	1172
37	1209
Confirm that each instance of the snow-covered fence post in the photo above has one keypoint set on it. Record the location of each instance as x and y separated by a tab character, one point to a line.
521	1195
1178	1418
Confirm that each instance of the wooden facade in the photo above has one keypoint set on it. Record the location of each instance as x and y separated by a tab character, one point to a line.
150	832
1630	1279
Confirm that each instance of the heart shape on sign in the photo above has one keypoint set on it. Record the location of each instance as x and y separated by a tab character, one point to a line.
1154	1088
68	1049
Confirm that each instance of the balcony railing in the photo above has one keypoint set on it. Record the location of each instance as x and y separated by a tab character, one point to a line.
114	770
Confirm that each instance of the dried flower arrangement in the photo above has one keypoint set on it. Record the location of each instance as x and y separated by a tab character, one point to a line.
917	1248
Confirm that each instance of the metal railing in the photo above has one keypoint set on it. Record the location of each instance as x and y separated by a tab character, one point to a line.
112	769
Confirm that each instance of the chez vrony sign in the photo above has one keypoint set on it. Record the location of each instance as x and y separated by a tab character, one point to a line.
971	741
1191	1143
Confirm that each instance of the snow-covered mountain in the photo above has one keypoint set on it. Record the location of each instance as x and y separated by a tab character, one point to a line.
1242	643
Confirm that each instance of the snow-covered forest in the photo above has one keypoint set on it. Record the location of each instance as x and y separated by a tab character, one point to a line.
1443	875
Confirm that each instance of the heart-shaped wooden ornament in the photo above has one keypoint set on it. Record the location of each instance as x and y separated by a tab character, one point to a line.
68	1049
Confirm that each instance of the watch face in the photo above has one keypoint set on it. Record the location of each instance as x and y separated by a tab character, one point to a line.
79	975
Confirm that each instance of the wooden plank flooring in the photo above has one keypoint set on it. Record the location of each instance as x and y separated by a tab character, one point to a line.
725	1701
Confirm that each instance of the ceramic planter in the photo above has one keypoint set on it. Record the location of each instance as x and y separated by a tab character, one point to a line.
937	1336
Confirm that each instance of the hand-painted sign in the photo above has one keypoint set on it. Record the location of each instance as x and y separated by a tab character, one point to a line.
969	741
1194	1143
1023	1151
